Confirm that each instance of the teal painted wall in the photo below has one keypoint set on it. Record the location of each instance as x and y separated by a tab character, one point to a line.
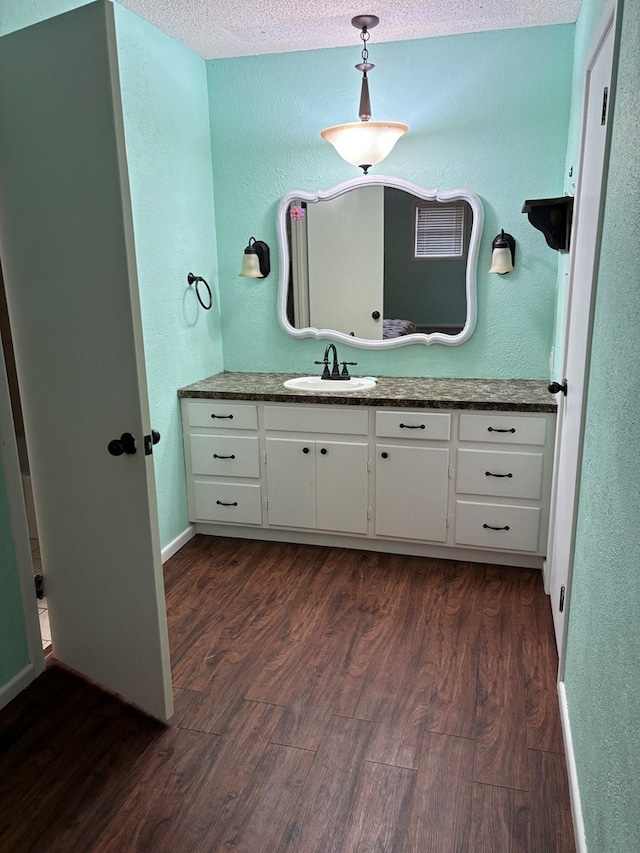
166	119
14	655
602	673
488	111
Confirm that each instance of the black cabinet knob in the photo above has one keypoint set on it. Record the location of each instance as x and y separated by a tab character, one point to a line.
115	447
305	449
384	454
375	315
323	451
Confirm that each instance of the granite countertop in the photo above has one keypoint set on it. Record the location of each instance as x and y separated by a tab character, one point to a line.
498	395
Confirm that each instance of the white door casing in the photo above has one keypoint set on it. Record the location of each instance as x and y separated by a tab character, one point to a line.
66	239
583	269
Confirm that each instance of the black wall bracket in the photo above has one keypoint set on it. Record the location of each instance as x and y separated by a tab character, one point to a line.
552	216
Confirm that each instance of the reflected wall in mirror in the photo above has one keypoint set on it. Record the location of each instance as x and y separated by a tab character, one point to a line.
379	262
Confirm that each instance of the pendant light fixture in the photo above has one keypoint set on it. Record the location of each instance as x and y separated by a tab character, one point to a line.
364	143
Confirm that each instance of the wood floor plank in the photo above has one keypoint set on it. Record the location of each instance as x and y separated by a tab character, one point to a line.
440	817
378	817
320	820
551	825
500	821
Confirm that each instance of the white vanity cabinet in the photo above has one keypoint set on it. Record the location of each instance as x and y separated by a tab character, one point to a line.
317	468
412	474
448	483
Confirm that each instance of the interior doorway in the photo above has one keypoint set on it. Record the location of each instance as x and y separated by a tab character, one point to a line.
23	456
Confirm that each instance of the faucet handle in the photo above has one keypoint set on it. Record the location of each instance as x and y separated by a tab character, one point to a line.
325	372
345	372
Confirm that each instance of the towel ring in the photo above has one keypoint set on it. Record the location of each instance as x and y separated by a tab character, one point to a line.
196	279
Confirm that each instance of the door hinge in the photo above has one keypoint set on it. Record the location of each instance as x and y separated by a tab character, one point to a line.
368	513
368	466
39	584
266	503
605	99
448	521
561	603
450	471
265	457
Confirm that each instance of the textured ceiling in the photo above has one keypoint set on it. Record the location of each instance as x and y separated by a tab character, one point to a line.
221	28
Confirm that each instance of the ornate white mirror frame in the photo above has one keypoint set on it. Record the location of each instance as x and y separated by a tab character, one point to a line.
420	193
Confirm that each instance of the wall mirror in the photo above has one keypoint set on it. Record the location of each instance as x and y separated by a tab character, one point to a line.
378	262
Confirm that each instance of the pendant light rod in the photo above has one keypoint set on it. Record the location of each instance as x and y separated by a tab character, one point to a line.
364	23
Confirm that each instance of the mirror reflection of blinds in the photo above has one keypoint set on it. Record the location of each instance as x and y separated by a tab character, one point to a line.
439	231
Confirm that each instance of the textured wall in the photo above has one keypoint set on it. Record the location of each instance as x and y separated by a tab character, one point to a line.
487	111
166	116
14	655
603	653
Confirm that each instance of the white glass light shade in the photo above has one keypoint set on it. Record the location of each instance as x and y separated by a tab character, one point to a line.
501	261
251	265
364	143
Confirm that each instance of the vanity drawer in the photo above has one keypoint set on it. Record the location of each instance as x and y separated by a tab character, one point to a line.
221	415
229	502
228	455
504	429
335	420
413	424
497	526
500	473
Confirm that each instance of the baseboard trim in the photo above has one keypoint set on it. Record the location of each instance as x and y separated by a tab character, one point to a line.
574	790
173	547
17	684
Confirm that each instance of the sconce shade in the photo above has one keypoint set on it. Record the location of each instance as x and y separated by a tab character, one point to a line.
364	143
503	253
256	260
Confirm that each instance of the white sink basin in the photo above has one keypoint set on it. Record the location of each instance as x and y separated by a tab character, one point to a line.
329	386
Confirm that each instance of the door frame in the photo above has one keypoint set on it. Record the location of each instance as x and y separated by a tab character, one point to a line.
610	21
15	492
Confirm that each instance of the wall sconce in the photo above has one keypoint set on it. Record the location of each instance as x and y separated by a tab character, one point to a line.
503	252
256	261
364	143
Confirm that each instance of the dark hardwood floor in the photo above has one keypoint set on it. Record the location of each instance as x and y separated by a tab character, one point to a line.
326	700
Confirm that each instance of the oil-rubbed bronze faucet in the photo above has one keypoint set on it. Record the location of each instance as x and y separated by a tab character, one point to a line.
335	368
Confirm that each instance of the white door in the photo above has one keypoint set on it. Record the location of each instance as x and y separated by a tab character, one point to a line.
581	291
345	245
66	240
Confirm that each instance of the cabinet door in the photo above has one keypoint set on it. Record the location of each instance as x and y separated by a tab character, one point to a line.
291	482
342	486
411	492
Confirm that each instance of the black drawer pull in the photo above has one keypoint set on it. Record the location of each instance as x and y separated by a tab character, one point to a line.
412	426
222	417
493	429
489	527
222	503
215	456
489	474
